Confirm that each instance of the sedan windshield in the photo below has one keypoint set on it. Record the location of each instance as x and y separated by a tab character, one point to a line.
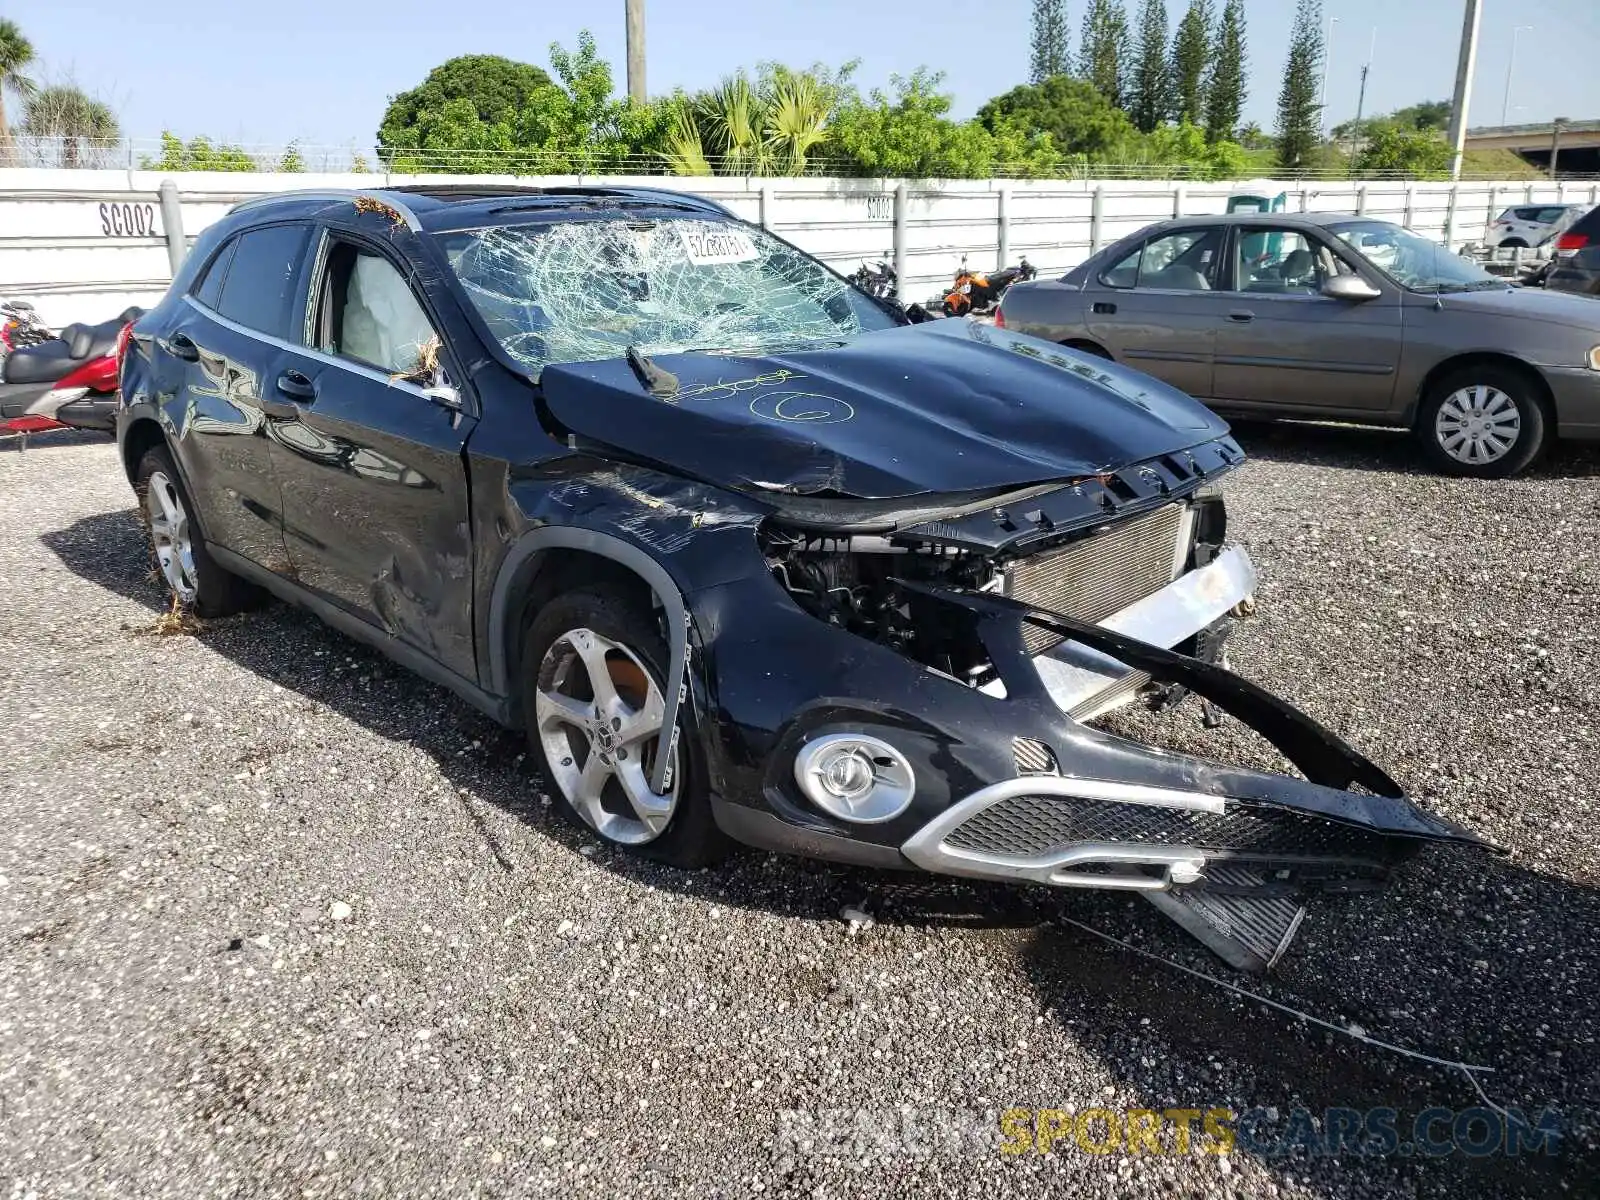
1413	261
581	290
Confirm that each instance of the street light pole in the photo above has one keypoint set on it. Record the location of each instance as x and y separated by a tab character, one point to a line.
1327	57
1505	105
635	26
1465	65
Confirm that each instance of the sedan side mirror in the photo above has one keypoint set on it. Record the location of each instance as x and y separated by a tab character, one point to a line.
1349	287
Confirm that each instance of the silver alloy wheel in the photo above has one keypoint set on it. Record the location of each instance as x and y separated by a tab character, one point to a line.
1478	425
169	535
599	713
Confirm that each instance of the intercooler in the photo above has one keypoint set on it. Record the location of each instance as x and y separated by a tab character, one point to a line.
1104	573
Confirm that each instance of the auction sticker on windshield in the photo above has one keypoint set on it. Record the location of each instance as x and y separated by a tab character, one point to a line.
708	244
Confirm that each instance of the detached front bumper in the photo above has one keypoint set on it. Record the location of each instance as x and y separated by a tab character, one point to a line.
1014	786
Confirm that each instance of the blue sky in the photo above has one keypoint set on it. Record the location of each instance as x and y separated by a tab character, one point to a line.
321	70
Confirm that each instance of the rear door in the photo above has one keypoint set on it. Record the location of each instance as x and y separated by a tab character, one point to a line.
225	341
368	445
1282	344
1156	309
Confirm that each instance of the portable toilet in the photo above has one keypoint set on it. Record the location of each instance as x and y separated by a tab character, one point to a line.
1257	196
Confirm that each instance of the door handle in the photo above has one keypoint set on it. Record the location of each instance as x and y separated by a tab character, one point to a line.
295	384
181	345
1242	315
1104	307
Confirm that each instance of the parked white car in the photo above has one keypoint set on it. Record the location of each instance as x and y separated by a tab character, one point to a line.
1532	224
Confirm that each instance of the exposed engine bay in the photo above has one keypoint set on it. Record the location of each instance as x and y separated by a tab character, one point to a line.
853	583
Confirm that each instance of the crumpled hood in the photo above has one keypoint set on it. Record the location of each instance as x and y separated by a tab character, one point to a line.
947	406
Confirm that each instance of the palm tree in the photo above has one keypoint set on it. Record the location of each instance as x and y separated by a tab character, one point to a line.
16	55
77	119
797	119
734	116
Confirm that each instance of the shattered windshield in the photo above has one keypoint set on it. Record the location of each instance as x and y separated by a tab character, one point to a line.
581	290
1413	261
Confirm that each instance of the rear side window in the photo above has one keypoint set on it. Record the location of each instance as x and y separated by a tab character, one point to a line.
259	289
209	289
1185	260
1528	214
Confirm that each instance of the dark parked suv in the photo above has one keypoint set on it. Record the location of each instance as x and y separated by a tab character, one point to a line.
748	555
1576	267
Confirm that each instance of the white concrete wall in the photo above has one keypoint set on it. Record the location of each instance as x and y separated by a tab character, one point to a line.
83	245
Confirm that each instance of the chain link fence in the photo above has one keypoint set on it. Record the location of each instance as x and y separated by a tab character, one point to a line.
200	154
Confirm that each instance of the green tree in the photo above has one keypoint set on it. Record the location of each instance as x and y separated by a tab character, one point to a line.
1191	50
16	56
1225	87
1151	94
292	161
1299	116
198	154
907	133
80	123
495	89
1078	118
1048	45
358	163
1103	49
1414	153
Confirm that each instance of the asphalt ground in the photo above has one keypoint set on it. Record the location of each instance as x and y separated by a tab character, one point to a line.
279	919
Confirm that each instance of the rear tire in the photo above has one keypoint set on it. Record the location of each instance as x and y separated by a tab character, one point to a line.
1513	243
1089	348
596	745
182	559
1484	422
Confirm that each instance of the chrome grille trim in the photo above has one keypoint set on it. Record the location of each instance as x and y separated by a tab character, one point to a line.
1096	576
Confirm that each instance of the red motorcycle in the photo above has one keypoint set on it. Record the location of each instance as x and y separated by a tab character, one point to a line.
67	381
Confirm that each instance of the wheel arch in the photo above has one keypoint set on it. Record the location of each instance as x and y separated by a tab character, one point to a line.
142	436
1088	346
546	561
1484	358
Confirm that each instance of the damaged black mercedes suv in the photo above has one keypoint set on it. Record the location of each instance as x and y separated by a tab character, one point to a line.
750	556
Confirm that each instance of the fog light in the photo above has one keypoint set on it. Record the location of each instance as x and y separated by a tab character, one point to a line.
855	778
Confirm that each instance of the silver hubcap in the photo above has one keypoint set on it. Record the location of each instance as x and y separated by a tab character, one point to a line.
599	714
1478	425
169	535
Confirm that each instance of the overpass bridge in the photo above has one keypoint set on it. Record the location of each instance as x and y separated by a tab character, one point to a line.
1579	144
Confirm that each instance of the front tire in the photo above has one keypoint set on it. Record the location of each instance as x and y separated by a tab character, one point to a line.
182	557
1485	422
594	669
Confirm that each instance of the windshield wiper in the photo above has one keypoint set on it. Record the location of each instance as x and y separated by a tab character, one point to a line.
660	383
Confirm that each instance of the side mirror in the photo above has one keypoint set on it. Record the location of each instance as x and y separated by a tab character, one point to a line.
1349	287
443	394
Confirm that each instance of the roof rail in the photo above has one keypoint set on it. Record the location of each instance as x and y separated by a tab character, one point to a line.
334	195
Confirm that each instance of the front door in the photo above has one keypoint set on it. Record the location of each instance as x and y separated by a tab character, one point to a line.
369	456
1156	309
1282	344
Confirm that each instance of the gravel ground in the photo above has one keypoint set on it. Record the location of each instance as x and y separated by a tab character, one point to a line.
277	918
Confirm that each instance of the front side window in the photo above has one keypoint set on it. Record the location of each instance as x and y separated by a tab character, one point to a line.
581	290
370	314
1411	260
1282	260
258	291
1184	261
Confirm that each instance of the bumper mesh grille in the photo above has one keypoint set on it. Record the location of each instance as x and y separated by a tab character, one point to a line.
1029	825
1099	575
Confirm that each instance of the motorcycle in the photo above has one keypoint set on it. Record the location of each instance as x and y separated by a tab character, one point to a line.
977	292
65	381
879	281
20	326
